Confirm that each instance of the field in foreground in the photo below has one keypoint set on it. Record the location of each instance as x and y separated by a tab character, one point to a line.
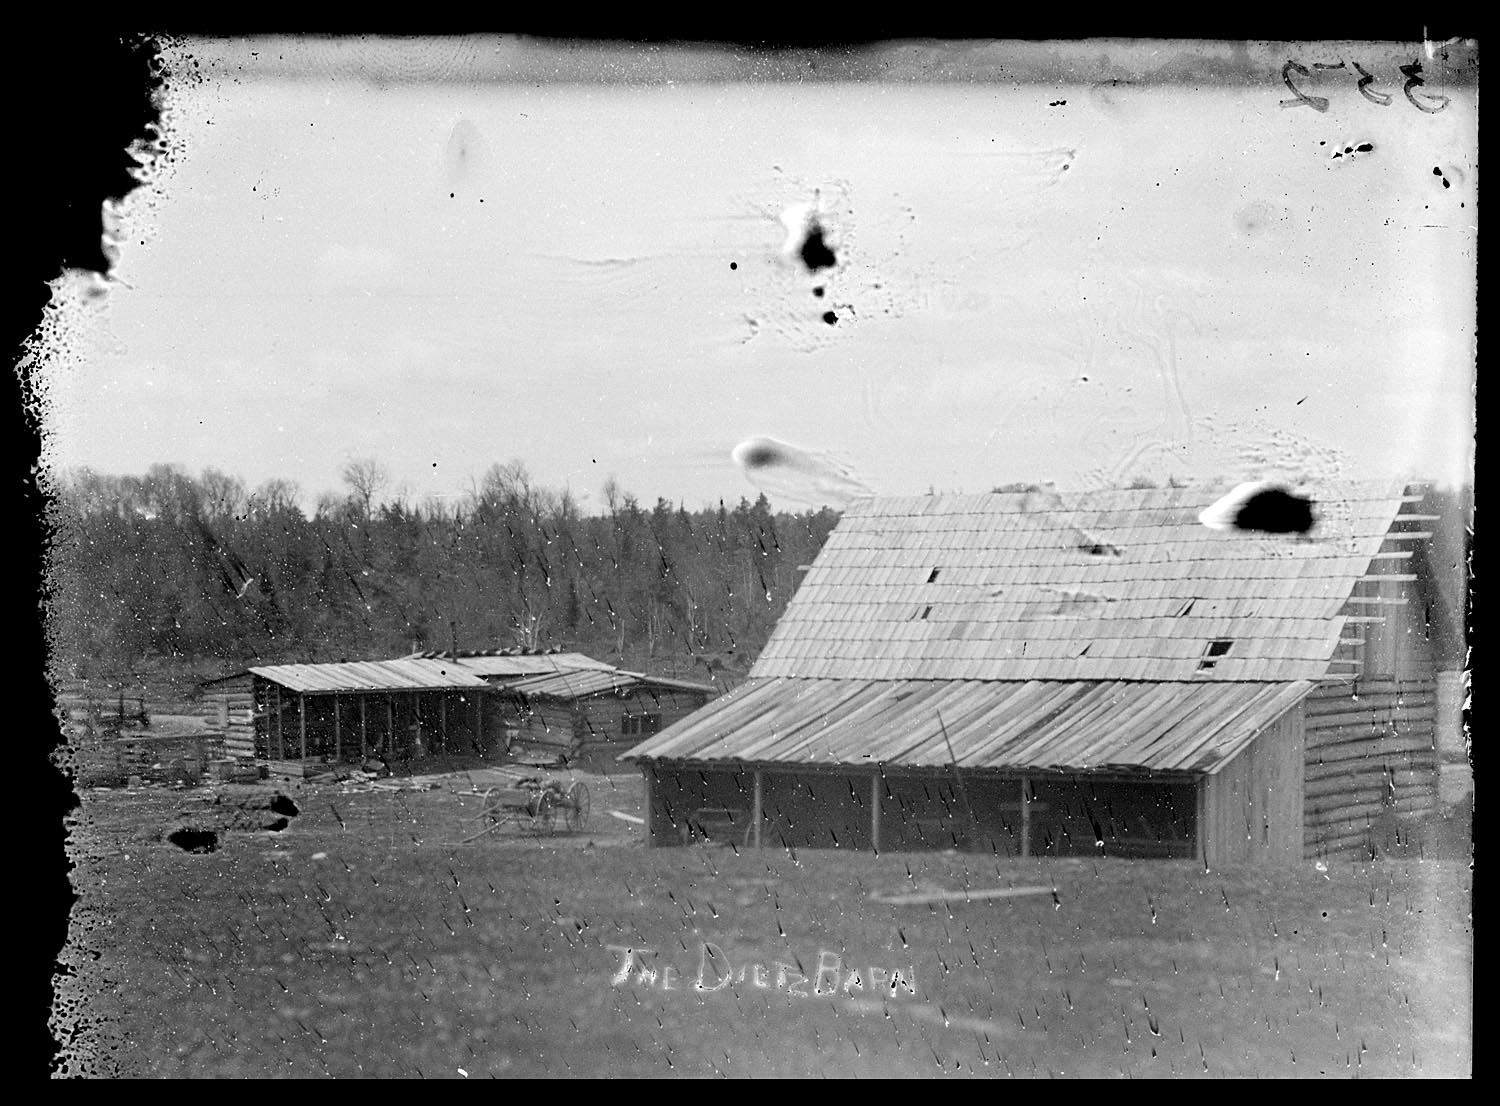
362	939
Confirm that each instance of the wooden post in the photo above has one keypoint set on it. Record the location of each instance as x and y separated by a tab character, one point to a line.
442	739
1025	819
338	737
302	721
875	809
756	810
280	737
649	771
958	785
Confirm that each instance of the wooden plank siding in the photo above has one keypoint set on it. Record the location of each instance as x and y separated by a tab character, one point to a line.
1251	811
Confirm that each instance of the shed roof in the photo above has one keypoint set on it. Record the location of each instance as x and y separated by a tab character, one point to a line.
1112	585
1030	725
577	685
528	664
405	674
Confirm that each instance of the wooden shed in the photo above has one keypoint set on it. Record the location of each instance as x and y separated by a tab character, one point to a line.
593	715
309	714
465	703
1080	674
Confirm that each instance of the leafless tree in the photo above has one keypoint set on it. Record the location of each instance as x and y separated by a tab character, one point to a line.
367	479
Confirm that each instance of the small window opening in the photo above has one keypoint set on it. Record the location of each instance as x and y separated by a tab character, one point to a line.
632	723
1211	655
933	578
1086	650
1186	608
926	611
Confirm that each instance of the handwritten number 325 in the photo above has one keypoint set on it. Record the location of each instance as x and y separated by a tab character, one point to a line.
1432	104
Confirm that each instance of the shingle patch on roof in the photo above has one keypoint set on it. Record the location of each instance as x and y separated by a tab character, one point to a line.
1003	587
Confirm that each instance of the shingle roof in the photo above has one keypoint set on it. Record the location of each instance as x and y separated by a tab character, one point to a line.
990	724
1115	585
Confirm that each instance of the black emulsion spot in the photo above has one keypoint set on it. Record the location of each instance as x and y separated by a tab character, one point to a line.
815	252
1276	511
759	456
195	841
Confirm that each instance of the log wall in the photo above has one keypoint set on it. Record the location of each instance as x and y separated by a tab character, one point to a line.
1372	764
229	707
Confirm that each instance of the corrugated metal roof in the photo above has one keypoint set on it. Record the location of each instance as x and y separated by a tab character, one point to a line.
405	674
1074	586
1035	724
576	685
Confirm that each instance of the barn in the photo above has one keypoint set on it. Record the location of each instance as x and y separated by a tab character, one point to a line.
1086	674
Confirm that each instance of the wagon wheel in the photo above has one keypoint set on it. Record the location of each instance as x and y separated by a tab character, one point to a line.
491	810
577	807
545	818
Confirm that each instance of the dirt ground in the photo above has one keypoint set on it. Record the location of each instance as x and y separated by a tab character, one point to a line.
360	937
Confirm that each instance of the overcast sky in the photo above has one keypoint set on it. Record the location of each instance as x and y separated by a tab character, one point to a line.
1058	278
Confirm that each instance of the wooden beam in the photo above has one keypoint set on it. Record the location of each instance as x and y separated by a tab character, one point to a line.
958	783
756	811
1419	518
1362	618
443	720
338	738
1025	818
280	736
1378	600
875	809
302	721
1387	577
1394	534
1391	555
362	742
